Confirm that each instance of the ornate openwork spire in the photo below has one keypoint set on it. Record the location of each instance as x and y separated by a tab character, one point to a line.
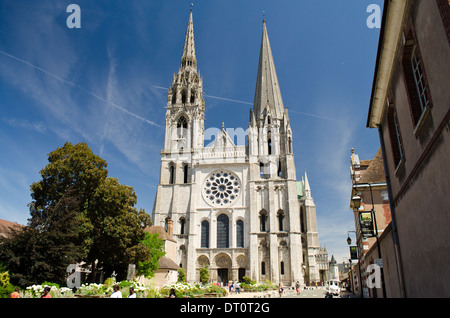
188	59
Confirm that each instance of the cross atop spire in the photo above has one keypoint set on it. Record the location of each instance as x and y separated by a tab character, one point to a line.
188	58
267	94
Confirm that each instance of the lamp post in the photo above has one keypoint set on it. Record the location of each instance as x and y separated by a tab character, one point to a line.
349	242
349	273
357	204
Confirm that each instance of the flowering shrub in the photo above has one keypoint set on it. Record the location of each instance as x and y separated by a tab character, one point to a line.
91	290
253	286
181	289
191	290
35	291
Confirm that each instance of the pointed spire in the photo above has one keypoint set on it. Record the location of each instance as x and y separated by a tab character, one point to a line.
188	58
307	187
267	93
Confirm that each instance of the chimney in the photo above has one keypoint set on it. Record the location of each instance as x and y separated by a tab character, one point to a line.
170	228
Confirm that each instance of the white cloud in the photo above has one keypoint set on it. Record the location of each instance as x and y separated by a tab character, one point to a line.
37	126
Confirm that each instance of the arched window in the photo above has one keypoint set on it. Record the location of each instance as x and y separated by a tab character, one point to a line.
185	173
183	97
192	97
263	220
171	173
174	97
279	172
302	220
181	126
222	231
263	268
205	234
261	169
280	215
182	225
240	233
269	143
290	144
282	268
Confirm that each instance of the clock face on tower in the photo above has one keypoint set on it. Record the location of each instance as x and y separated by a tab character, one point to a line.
221	188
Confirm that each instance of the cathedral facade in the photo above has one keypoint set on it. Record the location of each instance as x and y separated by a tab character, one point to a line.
237	209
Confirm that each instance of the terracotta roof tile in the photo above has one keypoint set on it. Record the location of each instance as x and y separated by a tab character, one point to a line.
375	171
5	227
167	263
157	229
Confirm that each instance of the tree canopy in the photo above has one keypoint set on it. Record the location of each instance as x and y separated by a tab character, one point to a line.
78	213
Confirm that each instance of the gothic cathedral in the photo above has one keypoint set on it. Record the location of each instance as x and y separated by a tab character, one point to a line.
238	209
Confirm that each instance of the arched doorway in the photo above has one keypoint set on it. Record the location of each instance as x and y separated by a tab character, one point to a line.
223	265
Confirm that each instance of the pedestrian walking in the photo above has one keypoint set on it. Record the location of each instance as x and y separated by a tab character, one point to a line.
237	286
231	288
280	289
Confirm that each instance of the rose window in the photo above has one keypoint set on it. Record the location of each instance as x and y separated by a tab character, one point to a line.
221	188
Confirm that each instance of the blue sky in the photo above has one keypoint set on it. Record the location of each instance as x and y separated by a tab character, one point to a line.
104	84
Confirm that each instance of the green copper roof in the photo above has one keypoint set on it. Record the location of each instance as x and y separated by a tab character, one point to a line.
300	190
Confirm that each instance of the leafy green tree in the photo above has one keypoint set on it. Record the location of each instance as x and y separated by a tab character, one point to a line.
77	213
155	247
117	227
37	253
181	275
73	167
204	274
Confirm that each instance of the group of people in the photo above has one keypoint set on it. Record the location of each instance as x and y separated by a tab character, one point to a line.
234	287
45	293
118	294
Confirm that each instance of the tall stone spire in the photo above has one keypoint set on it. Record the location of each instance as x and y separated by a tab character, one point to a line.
267	94
185	103
188	59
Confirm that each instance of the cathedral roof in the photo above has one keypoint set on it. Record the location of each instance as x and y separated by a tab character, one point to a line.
267	94
300	190
167	263
333	260
223	139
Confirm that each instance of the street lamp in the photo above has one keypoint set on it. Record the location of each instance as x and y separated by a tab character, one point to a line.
349	242
356	201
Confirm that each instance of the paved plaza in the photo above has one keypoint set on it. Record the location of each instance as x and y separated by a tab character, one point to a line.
307	293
